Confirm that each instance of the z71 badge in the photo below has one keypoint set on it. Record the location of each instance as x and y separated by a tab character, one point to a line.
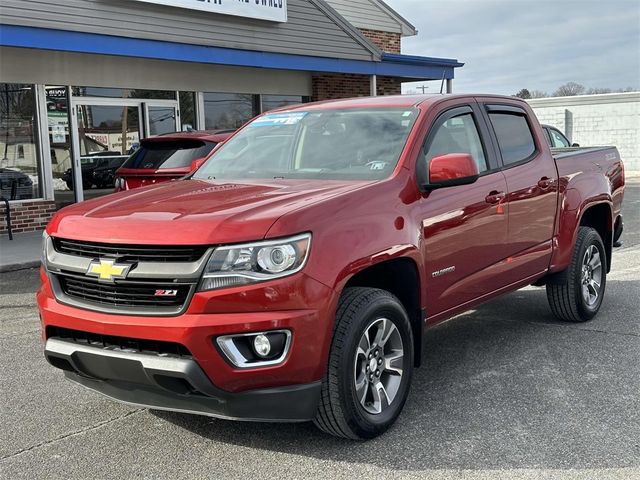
166	293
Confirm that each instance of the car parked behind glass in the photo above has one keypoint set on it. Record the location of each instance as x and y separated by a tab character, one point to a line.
104	176
90	163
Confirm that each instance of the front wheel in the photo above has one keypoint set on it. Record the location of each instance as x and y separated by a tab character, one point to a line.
370	365
579	297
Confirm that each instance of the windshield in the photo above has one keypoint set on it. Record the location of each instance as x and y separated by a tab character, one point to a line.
168	154
362	144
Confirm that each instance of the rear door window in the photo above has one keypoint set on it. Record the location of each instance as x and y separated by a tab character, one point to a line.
514	136
155	155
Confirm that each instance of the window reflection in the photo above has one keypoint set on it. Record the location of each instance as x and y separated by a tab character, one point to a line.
19	158
228	110
270	102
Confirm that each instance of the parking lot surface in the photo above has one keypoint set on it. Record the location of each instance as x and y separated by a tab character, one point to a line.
505	391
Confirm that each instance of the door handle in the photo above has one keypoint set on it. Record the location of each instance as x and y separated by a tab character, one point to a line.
545	182
495	197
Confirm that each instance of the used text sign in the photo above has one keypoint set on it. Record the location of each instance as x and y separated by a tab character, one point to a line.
273	10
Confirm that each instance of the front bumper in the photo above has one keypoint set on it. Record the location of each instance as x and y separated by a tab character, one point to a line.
176	384
302	306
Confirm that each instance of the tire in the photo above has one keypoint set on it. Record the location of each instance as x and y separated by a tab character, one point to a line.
341	412
568	299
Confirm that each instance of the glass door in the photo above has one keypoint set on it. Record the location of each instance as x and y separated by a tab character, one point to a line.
106	131
105	136
161	117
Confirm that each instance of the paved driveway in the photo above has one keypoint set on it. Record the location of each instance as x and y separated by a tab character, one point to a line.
506	391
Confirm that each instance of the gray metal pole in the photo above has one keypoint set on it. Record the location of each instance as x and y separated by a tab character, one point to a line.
449	85
374	85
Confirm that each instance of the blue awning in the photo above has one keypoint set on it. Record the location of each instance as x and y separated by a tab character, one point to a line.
394	65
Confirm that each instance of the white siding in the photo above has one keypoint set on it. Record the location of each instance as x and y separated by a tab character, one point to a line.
591	120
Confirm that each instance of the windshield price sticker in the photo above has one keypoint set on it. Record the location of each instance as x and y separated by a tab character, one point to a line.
278	119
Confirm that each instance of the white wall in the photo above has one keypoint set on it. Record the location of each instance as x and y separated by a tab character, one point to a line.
593	120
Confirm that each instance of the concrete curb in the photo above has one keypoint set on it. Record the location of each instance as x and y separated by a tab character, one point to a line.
19	266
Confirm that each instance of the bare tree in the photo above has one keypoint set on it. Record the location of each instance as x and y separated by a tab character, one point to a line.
597	91
539	94
569	89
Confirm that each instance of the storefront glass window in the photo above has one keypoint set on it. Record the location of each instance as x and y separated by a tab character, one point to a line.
228	110
20	176
269	102
188	111
124	93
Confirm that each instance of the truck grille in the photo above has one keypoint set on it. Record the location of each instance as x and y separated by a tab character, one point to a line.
122	343
125	293
130	253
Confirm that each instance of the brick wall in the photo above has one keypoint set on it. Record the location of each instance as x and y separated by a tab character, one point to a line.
27	216
333	86
591	120
385	41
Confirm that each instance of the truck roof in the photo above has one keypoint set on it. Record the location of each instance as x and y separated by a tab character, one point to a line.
390	101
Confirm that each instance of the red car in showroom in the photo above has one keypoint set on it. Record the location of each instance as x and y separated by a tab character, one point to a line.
167	157
293	275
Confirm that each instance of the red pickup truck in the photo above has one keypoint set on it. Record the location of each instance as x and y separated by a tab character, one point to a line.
292	276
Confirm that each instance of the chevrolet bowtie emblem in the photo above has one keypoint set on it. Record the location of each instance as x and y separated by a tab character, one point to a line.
108	270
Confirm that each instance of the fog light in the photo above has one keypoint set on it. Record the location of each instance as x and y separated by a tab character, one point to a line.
262	346
253	350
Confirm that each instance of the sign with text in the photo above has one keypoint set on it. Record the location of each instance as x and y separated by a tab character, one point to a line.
272	10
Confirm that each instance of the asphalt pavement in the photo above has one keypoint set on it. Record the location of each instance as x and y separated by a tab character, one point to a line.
505	392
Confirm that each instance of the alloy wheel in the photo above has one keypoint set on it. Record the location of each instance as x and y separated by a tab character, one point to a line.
591	275
378	366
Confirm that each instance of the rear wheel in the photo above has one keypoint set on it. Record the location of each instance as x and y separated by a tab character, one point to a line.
370	365
580	296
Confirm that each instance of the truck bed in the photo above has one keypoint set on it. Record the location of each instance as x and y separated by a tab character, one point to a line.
563	153
591	173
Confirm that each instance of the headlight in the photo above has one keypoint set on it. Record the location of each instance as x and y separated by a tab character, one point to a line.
255	262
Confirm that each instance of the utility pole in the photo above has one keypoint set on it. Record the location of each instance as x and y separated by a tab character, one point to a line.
423	88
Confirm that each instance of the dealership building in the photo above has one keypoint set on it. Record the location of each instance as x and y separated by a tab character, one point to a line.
82	80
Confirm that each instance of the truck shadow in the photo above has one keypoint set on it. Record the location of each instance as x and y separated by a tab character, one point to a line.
504	386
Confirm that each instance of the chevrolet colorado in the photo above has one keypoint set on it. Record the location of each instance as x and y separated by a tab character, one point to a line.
293	275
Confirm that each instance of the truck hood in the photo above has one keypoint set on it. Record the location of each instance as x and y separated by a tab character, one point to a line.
191	212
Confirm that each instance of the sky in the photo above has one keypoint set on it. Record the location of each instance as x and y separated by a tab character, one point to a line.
508	45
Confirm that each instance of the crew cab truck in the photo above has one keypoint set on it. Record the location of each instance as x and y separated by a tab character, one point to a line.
293	275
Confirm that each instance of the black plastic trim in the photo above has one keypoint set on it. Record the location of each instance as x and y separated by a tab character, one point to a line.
176	384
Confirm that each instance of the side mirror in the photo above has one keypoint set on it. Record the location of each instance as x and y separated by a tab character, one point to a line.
451	170
575	144
196	164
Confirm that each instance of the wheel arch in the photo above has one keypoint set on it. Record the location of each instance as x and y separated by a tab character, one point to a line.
599	216
400	277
